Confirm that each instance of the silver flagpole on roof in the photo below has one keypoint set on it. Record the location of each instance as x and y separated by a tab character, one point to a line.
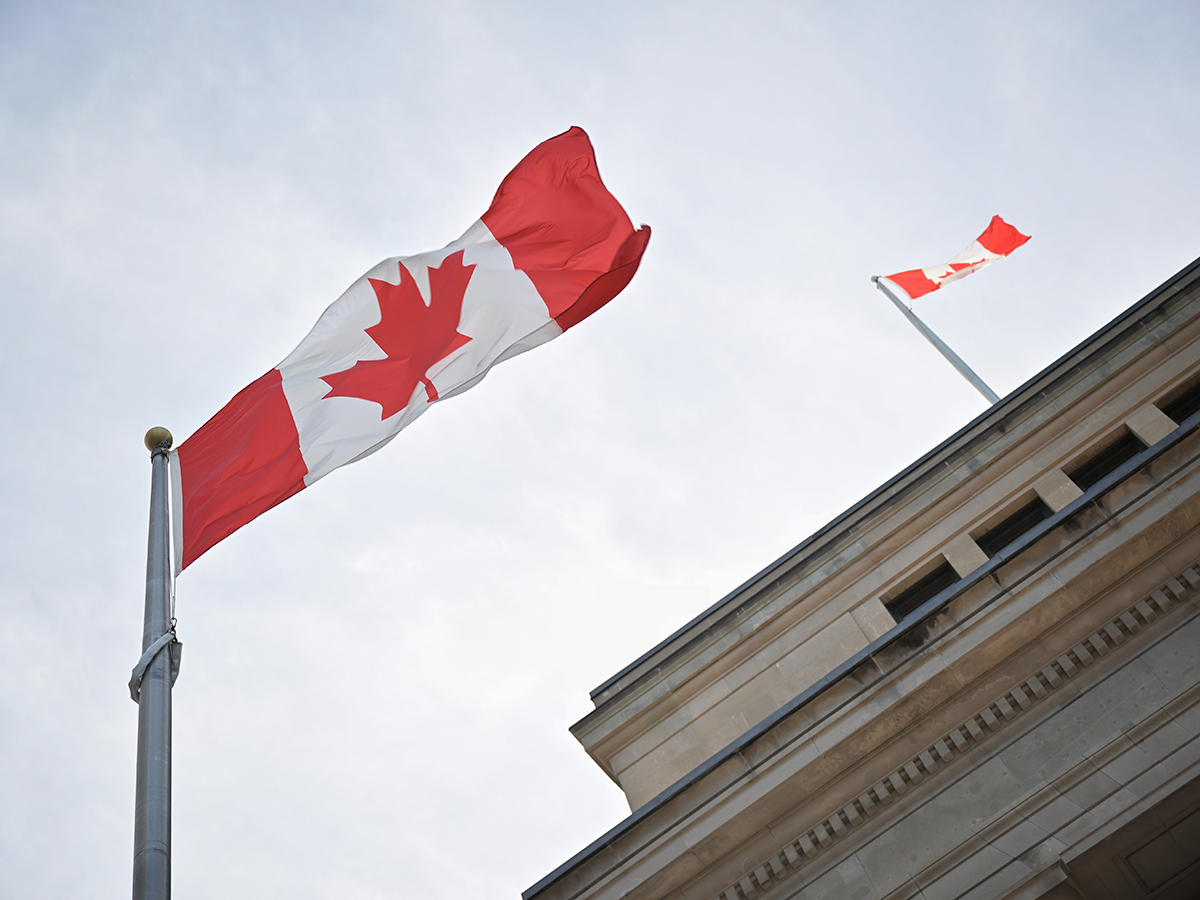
150	687
954	359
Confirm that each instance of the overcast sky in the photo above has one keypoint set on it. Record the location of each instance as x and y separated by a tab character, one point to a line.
379	674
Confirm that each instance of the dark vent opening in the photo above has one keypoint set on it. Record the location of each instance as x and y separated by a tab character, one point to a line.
1184	405
1013	527
910	598
1107	460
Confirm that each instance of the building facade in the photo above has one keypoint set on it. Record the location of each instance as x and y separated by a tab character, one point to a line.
981	681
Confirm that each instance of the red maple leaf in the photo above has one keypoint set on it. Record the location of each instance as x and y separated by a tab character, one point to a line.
414	336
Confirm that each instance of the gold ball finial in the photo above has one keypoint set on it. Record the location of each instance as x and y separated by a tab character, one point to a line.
156	436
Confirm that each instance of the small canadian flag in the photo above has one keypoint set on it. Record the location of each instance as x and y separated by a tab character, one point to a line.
553	248
998	240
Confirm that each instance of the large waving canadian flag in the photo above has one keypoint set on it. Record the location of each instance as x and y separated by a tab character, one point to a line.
553	248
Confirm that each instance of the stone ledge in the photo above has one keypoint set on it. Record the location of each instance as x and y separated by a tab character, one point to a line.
990	719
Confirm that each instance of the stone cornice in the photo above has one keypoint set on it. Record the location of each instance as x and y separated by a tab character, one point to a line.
989	719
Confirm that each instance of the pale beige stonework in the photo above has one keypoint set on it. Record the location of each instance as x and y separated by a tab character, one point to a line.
1036	735
1056	489
963	554
1150	424
874	619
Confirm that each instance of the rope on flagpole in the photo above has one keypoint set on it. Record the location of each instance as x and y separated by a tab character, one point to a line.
176	654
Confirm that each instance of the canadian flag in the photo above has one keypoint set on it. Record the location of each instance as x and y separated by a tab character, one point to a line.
1000	239
553	248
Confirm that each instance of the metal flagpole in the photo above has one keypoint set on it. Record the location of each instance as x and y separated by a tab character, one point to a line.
954	359
150	687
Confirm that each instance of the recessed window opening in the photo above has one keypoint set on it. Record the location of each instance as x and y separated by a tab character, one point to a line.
1003	534
912	597
1119	452
1184	405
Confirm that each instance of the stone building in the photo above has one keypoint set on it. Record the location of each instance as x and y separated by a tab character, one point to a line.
981	681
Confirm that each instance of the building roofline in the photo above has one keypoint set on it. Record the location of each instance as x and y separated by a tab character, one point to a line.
902	628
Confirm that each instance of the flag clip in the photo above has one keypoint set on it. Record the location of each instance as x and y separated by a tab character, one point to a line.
175	652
